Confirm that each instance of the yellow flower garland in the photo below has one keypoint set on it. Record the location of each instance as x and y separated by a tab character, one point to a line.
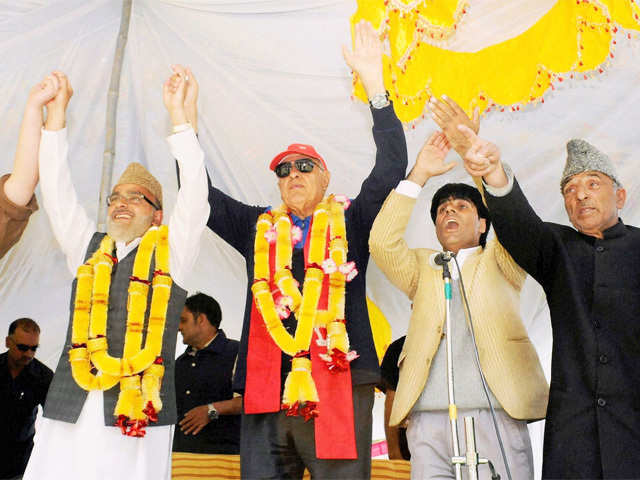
327	216
139	371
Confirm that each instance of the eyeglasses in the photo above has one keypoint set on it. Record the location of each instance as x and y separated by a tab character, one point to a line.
304	165
135	198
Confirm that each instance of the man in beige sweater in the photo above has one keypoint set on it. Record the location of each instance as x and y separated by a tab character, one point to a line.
517	386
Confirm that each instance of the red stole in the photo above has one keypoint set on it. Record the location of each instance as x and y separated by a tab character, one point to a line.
334	427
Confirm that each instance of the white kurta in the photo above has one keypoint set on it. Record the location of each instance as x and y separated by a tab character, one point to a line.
88	449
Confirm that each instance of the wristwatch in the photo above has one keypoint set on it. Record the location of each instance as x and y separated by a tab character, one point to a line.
212	412
379	100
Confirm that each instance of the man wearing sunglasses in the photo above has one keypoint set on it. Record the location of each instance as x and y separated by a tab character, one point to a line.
24	382
337	443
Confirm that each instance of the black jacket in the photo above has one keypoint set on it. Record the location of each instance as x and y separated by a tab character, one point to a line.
593	291
201	379
19	400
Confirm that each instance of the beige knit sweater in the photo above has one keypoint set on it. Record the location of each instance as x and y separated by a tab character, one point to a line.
493	282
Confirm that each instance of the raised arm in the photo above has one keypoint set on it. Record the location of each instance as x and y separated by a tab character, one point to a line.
230	219
21	184
431	160
391	150
17	201
189	216
482	159
192	89
524	235
69	222
448	115
386	243
366	58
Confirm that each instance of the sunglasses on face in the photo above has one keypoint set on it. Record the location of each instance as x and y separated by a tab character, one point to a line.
24	348
304	165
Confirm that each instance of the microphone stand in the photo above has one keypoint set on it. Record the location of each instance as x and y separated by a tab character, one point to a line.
453	410
470	459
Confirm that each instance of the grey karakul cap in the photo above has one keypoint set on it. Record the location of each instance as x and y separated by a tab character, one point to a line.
584	157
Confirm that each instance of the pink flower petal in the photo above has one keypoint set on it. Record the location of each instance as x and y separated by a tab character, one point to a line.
329	266
343	199
271	235
325	357
283	312
352	355
284	301
346	268
296	234
351	275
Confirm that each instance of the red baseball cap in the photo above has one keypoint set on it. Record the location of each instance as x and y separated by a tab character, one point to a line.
300	148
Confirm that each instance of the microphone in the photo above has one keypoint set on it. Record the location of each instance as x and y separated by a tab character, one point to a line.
437	260
441	261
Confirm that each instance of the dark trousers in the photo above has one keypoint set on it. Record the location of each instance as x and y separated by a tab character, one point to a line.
14	457
274	446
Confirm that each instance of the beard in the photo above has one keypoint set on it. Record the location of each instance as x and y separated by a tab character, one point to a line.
126	232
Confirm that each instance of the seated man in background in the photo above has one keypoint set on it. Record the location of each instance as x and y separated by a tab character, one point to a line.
208	412
24	382
17	201
517	386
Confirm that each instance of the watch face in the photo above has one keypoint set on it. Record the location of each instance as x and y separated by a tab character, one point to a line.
213	414
379	101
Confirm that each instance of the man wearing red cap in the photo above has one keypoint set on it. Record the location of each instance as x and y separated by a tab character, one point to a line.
307	363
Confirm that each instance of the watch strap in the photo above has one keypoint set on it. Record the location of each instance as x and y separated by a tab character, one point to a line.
212	412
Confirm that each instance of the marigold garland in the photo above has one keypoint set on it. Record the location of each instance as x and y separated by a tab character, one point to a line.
277	294
140	370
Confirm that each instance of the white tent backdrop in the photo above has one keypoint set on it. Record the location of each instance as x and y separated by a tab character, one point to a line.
271	73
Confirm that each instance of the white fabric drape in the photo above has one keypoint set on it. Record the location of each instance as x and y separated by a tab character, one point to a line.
271	73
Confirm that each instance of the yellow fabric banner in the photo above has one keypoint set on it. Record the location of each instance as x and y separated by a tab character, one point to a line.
574	39
436	19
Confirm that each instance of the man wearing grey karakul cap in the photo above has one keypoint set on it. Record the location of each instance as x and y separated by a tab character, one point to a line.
583	157
591	278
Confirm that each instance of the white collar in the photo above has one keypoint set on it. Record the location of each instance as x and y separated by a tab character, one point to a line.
462	256
123	249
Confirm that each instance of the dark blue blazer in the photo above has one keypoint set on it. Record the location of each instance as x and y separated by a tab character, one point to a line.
235	223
